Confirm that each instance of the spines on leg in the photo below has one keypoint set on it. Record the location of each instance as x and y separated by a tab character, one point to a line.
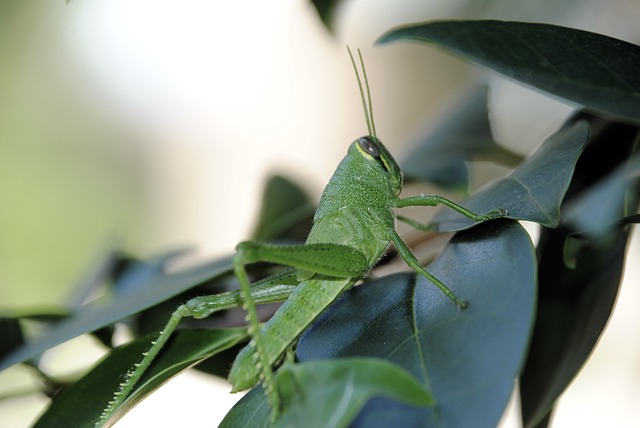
135	373
259	355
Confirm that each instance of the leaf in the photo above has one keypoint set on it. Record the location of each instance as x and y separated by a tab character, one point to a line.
104	266
252	410
590	69
135	273
534	191
326	11
465	135
286	212
11	334
94	316
574	306
468	359
596	211
332	392
576	300
327	393
81	404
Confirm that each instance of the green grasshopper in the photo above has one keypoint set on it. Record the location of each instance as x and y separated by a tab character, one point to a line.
352	227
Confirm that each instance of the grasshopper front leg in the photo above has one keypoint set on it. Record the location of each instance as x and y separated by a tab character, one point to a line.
414	264
435	200
405	252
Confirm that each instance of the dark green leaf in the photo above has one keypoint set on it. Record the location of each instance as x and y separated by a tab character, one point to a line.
11	334
596	211
16	328
332	392
135	273
469	359
81	404
326	11
95	316
534	191
286	212
576	300
465	135
590	69
251	411
575	303
632	219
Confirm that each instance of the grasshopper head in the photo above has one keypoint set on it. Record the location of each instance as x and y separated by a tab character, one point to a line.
375	154
372	149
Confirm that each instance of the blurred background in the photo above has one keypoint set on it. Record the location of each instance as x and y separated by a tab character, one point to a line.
148	125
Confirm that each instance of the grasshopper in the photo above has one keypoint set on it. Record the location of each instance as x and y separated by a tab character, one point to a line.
352	228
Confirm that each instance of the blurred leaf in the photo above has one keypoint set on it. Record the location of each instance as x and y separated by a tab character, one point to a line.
332	392
11	334
590	69
81	404
534	191
465	135
98	273
573	245
286	212
219	364
94	316
124	274
326	11
632	219
133	273
16	328
469	359
596	211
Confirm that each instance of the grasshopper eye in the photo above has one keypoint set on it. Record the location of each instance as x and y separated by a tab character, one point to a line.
369	146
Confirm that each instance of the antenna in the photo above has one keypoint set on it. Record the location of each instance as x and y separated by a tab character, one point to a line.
366	84
368	110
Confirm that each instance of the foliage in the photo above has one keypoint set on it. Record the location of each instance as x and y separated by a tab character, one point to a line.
535	312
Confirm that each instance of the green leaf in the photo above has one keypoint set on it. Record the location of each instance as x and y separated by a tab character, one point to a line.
332	392
328	393
590	69
286	212
251	411
468	359
11	334
81	404
326	11
465	135
94	316
535	190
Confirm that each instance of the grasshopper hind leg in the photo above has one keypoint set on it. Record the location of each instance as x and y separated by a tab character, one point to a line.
135	374
260	354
